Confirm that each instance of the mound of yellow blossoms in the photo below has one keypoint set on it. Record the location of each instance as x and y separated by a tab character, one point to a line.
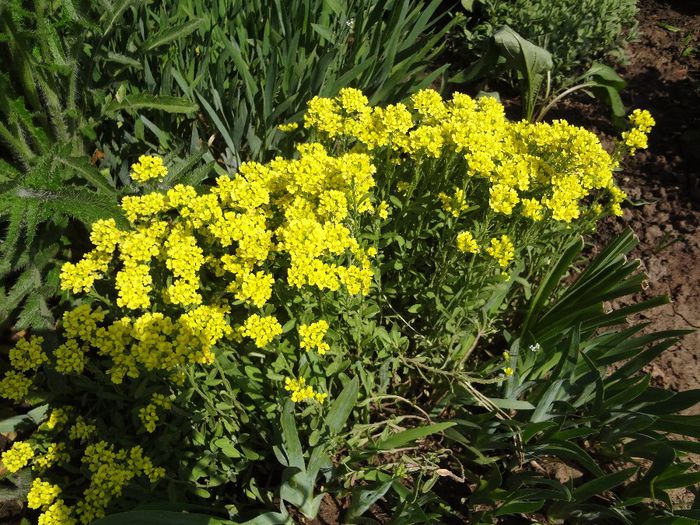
192	269
537	171
202	271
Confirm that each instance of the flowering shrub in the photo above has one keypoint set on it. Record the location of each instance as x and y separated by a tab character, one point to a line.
217	305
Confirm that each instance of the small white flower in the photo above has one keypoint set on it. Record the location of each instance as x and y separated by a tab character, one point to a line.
535	347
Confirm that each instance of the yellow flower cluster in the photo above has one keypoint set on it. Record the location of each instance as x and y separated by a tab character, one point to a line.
311	336
81	430
502	250
466	242
55	454
641	122
18	456
27	355
149	414
300	391
148	167
42	494
58	418
291	126
383	210
262	330
111	470
228	231
57	514
15	386
454	204
534	170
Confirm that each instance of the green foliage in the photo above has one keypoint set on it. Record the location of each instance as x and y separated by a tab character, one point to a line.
575	32
37	207
531	65
580	403
55	108
253	65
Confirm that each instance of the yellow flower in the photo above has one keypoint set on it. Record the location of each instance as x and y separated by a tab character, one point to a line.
42	494
262	330
57	514
18	456
532	209
502	250
82	430
55	454
642	120
148	167
466	242
27	355
352	100
143	206
82	322
311	336
134	284
454	204
635	139
58	418
15	386
70	357
300	391
149	414
290	126
503	198
429	105
255	288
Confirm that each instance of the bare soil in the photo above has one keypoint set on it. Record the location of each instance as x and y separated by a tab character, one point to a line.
664	181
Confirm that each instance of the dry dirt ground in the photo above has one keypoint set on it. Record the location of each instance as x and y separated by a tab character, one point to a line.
662	182
662	76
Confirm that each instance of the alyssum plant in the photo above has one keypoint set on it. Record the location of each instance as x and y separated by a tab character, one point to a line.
371	267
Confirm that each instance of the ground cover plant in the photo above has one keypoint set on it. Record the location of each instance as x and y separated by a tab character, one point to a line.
576	33
83	94
239	349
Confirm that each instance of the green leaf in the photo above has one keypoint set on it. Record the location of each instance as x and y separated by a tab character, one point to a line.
21	422
519	507
88	172
173	33
541	413
342	406
290	437
512	404
603	484
159	103
530	60
406	437
364	497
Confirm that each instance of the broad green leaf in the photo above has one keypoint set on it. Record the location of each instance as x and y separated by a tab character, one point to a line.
28	420
530	60
512	404
406	437
541	412
155	102
364	497
342	406
292	445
